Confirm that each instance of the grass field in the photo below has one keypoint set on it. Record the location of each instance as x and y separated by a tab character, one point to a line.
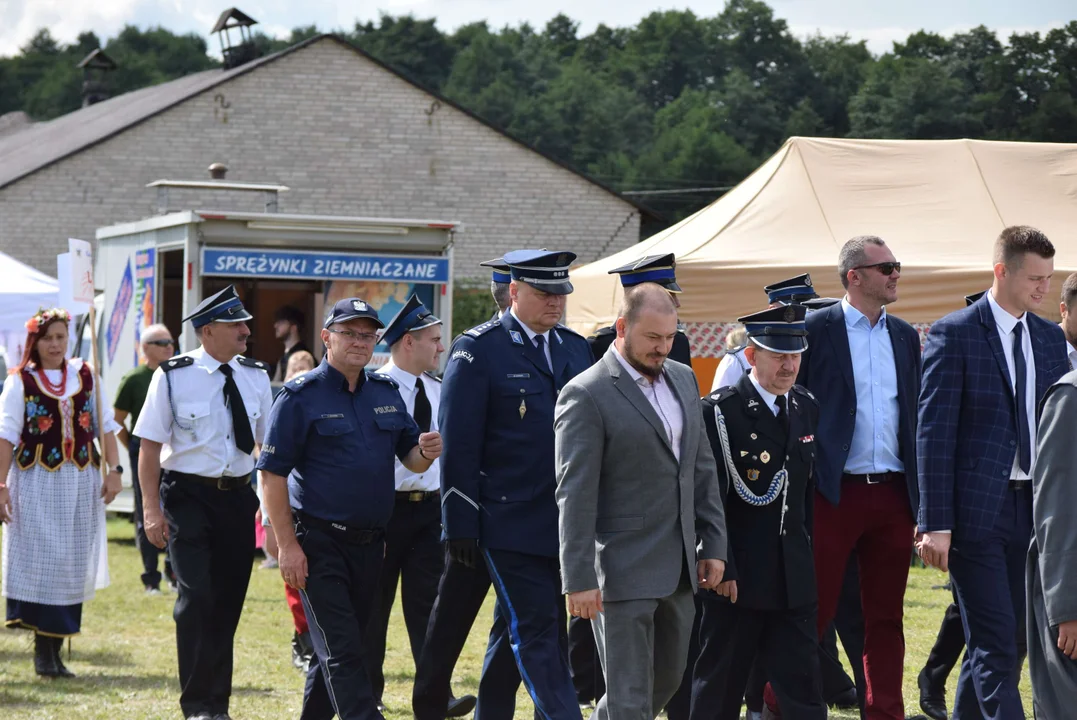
126	657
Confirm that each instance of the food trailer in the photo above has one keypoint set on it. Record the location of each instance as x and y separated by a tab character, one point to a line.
159	269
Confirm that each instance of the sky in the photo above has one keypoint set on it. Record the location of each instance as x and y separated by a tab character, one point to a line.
880	22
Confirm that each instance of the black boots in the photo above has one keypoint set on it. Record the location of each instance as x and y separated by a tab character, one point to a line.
47	661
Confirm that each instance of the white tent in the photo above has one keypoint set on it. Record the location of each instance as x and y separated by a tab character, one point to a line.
23	290
939	204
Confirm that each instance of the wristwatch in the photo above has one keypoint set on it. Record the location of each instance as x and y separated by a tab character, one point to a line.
118	468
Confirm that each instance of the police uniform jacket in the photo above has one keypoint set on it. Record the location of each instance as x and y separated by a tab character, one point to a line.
337	447
774	567
185	411
496	420
681	351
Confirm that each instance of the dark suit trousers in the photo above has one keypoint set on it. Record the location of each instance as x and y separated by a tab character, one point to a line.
342	579
949	644
875	521
461	594
733	639
989	577
211	542
583	661
415	556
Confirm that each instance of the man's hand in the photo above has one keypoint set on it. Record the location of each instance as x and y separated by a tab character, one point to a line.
934	550
5	504
293	565
1067	639
154	525
586	604
709	573
111	487
430	445
465	551
728	589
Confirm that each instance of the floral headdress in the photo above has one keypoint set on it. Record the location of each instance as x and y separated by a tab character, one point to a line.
44	317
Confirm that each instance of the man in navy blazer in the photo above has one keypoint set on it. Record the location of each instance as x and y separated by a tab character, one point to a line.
986	367
863	365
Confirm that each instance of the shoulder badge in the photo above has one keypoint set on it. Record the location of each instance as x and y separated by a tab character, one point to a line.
382	378
723	393
801	390
484	328
252	363
433	377
180	361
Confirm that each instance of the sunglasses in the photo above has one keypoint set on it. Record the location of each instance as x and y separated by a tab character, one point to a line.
886	268
161	343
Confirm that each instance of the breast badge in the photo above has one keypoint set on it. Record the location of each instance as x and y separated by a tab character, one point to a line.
753	474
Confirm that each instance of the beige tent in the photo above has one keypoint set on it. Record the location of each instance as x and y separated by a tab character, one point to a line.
939	204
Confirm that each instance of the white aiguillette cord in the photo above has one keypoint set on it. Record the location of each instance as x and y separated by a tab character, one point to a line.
778	484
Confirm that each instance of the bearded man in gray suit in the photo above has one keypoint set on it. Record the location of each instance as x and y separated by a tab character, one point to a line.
637	488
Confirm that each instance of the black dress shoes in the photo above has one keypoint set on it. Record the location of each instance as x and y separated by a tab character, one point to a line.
932	699
845	700
460	706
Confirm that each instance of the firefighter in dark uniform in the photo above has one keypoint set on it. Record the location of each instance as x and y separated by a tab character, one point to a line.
762	430
657	269
498	478
328	471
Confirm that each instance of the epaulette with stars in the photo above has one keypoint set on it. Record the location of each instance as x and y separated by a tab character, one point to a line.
371	375
484	328
181	361
252	363
723	393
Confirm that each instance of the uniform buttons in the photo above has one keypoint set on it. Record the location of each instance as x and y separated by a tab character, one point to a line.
1012	443
783	533
1005	473
852	411
504	499
522	390
787	457
844	447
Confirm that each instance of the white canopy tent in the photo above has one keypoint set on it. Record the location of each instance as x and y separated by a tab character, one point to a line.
938	204
23	290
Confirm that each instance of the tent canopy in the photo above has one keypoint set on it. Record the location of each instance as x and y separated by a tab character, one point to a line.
938	204
23	292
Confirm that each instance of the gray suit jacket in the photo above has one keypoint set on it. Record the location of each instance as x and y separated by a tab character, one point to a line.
1051	572
629	513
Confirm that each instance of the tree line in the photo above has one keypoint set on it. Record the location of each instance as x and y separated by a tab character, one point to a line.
675	108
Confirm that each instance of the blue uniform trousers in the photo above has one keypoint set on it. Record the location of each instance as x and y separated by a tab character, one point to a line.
342	588
989	580
531	618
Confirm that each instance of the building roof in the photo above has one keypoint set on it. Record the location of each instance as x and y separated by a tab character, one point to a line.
41	144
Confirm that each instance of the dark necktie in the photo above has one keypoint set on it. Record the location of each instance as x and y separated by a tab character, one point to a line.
540	342
422	411
783	414
241	425
1024	437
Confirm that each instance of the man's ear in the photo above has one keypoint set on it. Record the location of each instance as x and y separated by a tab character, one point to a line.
621	326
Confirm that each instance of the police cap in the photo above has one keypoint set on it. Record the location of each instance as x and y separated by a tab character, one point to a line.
653	268
500	271
224	306
780	329
545	270
352	309
794	290
413	316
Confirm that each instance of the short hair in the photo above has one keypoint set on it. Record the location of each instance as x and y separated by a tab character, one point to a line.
735	338
500	291
1016	241
645	296
853	254
291	314
153	330
1069	291
296	359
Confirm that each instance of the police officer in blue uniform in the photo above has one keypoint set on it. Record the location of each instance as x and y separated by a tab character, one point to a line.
500	277
329	487
659	269
498	476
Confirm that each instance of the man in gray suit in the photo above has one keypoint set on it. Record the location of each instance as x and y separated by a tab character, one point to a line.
637	486
1051	572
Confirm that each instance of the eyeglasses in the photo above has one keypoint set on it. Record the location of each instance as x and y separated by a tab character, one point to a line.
886	268
355	336
161	343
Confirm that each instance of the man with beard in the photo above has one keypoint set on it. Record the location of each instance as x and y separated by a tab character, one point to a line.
636	485
287	325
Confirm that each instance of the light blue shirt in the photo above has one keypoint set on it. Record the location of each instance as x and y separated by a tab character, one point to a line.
875	447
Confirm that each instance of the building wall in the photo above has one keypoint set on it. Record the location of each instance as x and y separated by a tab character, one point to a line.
348	138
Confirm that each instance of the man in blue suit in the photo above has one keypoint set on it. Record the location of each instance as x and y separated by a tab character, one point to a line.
864	366
498	480
986	367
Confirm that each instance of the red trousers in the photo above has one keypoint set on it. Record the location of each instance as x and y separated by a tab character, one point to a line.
299	617
877	522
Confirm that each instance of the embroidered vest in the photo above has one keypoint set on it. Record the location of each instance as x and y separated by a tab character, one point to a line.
57	431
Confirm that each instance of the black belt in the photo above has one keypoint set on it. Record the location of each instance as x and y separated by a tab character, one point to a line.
414	496
873	478
355	536
1020	484
221	483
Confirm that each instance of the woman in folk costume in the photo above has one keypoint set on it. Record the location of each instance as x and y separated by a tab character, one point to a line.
53	503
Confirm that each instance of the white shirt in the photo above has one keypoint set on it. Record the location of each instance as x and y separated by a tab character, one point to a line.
13	402
406	480
531	334
1005	322
732	366
769	398
199	441
660	395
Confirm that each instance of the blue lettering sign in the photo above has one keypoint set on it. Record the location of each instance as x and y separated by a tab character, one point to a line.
301	265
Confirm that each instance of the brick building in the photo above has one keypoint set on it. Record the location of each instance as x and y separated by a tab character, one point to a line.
347	134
